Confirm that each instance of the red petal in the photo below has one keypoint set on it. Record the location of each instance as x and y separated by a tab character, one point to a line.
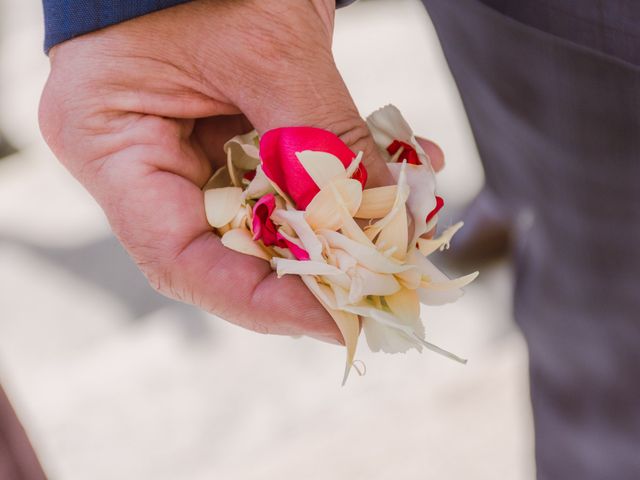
361	175
409	153
278	150
250	175
434	212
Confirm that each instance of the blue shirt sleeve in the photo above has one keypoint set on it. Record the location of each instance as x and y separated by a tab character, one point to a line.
65	19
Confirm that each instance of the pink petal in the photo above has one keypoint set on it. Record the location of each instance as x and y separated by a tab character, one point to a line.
263	227
298	252
278	148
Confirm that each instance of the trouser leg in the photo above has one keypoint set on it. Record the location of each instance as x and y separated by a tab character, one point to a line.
557	126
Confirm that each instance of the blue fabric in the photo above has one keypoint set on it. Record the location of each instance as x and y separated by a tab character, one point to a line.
65	19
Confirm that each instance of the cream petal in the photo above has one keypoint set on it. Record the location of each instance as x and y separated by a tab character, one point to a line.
428	246
328	208
386	125
295	219
377	202
285	266
402	194
366	309
345	261
348	324
410	278
353	166
243	151
241	240
367	256
259	186
441	351
382	338
219	179
371	283
395	234
222	204
454	283
422	200
322	167
405	305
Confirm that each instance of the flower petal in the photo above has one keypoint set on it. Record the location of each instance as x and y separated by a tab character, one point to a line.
241	240
367	256
422	199
284	266
219	179
387	125
278	148
244	151
295	219
348	323
262	225
259	185
377	202
327	209
322	167
382	338
427	247
222	204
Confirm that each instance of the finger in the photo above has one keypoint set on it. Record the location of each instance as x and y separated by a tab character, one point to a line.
434	152
325	103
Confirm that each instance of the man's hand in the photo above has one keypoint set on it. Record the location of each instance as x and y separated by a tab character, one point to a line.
138	112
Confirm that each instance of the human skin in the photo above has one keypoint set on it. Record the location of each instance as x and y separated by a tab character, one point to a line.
138	113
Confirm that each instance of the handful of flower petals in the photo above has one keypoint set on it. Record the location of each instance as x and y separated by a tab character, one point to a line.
295	197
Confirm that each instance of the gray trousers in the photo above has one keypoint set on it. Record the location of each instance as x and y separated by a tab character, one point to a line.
552	92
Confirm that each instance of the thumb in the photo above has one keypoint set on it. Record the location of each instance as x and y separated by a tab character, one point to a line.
320	99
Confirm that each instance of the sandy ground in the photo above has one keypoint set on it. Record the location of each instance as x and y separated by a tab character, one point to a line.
116	382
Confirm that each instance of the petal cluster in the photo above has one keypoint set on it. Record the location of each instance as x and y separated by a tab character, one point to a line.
296	197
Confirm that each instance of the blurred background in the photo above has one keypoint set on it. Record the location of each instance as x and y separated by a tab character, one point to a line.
113	381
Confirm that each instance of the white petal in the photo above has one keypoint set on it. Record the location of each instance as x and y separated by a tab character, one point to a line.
386	125
244	151
296	220
332	203
355	163
427	247
285	266
348	324
405	305
366	282
322	167
259	186
219	179
241	240
366	256
422	200
395	234
377	202
387	339
222	204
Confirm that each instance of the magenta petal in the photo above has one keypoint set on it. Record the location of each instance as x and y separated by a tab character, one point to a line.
263	227
298	252
278	150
